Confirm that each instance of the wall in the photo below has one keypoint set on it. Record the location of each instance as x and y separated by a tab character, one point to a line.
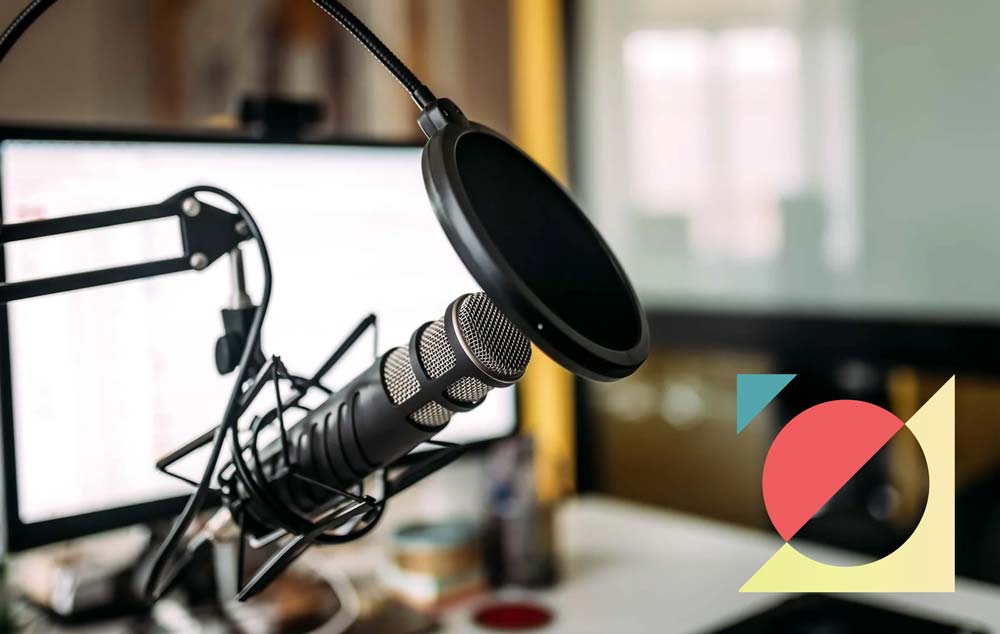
190	62
930	146
85	61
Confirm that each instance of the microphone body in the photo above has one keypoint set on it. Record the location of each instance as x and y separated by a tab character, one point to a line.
402	400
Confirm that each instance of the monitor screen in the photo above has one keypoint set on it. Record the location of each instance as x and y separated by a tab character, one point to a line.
105	381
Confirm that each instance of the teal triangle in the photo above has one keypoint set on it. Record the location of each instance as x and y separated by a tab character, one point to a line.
754	392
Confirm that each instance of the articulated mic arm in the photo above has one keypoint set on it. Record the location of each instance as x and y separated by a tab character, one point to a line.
207	233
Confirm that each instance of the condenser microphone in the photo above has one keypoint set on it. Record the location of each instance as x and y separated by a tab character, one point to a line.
402	400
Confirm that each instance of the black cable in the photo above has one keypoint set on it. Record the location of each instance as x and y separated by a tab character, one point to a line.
420	94
25	19
158	582
256	483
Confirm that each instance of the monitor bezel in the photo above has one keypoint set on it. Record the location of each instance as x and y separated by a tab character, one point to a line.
19	536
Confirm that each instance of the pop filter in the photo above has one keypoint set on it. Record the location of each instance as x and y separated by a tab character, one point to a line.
531	248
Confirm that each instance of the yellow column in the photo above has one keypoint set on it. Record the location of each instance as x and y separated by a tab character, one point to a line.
539	128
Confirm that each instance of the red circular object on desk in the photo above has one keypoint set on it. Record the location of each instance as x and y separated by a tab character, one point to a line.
513	616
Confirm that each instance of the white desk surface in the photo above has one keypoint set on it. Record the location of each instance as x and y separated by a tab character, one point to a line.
630	568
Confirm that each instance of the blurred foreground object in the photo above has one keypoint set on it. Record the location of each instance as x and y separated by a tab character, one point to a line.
520	535
435	563
821	613
86	579
6	620
511	615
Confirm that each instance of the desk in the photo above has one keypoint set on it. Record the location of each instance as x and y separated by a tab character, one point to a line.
630	568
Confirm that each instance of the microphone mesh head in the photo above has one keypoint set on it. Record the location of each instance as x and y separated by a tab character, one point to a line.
400	381
492	340
401	384
431	415
437	358
467	390
436	355
488	336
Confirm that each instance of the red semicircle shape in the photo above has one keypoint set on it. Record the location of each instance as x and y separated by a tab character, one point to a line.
815	455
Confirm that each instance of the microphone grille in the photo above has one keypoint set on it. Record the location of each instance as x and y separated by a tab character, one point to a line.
487	335
467	390
492	340
400	381
433	414
436	355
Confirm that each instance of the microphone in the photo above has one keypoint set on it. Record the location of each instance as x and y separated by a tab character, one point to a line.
402	400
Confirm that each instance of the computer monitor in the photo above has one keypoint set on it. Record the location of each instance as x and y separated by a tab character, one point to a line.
98	384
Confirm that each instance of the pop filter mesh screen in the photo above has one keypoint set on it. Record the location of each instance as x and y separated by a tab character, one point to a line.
547	241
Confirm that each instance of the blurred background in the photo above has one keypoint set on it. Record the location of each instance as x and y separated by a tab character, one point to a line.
805	187
190	63
800	186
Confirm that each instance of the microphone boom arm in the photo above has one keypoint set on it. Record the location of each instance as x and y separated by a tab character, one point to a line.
207	233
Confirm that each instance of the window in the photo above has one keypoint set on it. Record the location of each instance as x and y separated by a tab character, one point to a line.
713	134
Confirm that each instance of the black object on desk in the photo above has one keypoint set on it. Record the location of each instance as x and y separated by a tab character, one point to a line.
822	614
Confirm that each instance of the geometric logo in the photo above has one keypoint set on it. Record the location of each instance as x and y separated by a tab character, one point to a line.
816	454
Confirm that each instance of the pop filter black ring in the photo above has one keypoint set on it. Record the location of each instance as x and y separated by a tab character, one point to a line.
484	259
